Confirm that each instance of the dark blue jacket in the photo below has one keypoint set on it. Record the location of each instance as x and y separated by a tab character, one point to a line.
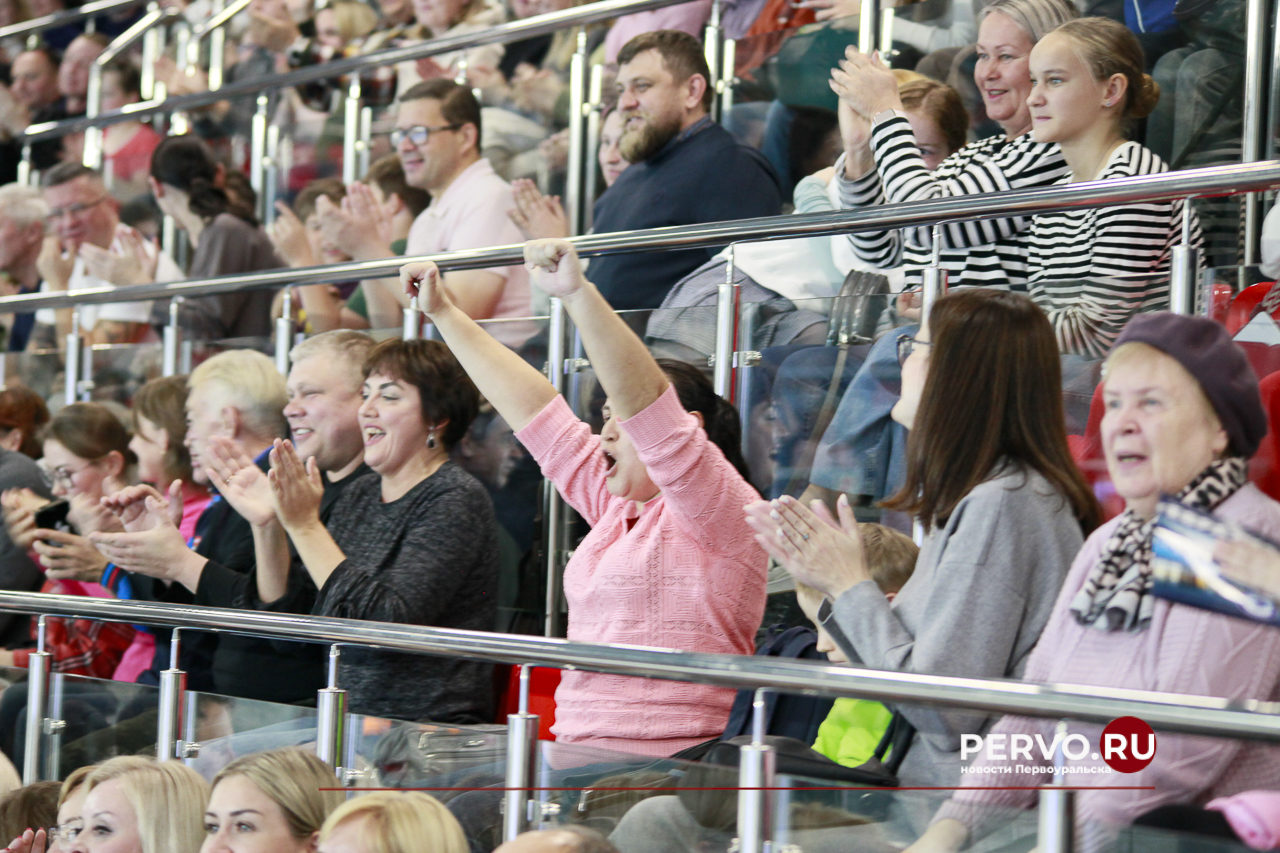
706	177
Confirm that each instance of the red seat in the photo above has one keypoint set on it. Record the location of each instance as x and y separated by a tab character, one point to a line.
1241	310
1087	451
1264	468
542	697
1220	302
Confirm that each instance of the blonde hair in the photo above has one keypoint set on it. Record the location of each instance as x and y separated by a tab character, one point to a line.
1107	47
355	20
248	380
891	558
168	799
398	822
294	780
346	344
23	204
1036	18
74	780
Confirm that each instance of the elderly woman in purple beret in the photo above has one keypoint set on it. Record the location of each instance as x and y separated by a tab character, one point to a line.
1183	416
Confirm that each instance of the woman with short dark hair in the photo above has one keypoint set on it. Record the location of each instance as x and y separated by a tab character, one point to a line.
415	542
1003	507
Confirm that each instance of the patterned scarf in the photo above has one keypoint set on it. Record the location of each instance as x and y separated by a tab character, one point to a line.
1118	588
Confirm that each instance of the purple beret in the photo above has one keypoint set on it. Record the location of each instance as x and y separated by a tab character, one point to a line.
1207	352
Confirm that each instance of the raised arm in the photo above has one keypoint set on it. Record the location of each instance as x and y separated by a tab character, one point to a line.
630	377
517	390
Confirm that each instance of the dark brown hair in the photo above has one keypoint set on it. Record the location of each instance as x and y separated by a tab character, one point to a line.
331	188
163	401
457	104
681	54
446	390
186	163
32	806
388	173
993	394
942	105
720	418
130	76
90	431
23	409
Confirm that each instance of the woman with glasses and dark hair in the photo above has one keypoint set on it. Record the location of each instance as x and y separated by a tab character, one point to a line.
1004	511
86	457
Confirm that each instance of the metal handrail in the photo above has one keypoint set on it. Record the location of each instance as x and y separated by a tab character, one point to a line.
1203	715
1210	181
67	16
537	25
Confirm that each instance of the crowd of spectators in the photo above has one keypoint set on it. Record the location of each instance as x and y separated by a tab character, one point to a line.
395	480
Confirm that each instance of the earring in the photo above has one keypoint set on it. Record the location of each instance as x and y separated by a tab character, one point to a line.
431	438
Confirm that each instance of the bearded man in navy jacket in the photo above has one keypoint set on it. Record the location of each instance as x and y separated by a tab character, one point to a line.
685	169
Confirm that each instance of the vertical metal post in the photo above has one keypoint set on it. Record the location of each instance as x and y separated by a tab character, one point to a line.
172	338
37	694
553	504
868	18
284	333
160	89
577	104
728	77
522	756
713	47
26	174
725	326
366	141
412	330
591	157
1054	833
53	726
757	764
84	387
72	372
351	130
1184	263
258	150
217	50
92	109
150	52
886	35
173	687
331	716
189	747
1251	142
934	281
271	175
169	238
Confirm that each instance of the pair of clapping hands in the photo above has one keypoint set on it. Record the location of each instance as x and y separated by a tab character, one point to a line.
360	227
150	543
130	260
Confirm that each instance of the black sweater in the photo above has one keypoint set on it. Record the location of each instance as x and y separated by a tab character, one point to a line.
429	558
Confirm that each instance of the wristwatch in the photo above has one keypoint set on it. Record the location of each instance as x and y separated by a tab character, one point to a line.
886	115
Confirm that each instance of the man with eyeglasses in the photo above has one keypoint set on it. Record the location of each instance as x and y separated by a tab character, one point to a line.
89	248
437	136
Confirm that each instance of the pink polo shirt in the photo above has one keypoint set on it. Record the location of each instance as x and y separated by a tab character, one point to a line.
472	214
682	573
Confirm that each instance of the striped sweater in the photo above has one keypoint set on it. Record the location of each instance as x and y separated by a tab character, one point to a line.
1091	270
992	252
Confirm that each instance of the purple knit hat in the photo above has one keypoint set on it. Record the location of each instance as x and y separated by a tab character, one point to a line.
1207	352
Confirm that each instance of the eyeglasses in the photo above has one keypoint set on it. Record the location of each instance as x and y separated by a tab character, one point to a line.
65	833
418	134
62	476
75	209
906	343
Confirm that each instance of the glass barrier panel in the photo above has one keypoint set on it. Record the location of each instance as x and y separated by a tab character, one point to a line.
446	761
41	370
116	371
227	727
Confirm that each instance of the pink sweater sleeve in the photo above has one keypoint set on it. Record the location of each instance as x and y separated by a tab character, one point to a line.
706	492
569	455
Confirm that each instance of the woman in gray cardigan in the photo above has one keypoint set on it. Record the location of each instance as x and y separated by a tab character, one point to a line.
1004	510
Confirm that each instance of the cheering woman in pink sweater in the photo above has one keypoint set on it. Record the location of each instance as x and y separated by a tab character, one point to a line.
669	561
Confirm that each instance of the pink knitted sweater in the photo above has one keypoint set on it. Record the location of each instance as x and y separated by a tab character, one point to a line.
682	573
1185	650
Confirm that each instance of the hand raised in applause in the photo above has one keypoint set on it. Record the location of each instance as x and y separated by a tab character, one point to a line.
289	236
865	83
296	488
816	549
537	216
240	482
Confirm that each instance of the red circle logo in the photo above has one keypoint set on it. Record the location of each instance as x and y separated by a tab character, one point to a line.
1128	744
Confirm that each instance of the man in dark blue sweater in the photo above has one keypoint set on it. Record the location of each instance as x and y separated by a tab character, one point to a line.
685	168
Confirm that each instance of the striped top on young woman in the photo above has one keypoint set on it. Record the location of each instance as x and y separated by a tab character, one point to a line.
1091	270
988	252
